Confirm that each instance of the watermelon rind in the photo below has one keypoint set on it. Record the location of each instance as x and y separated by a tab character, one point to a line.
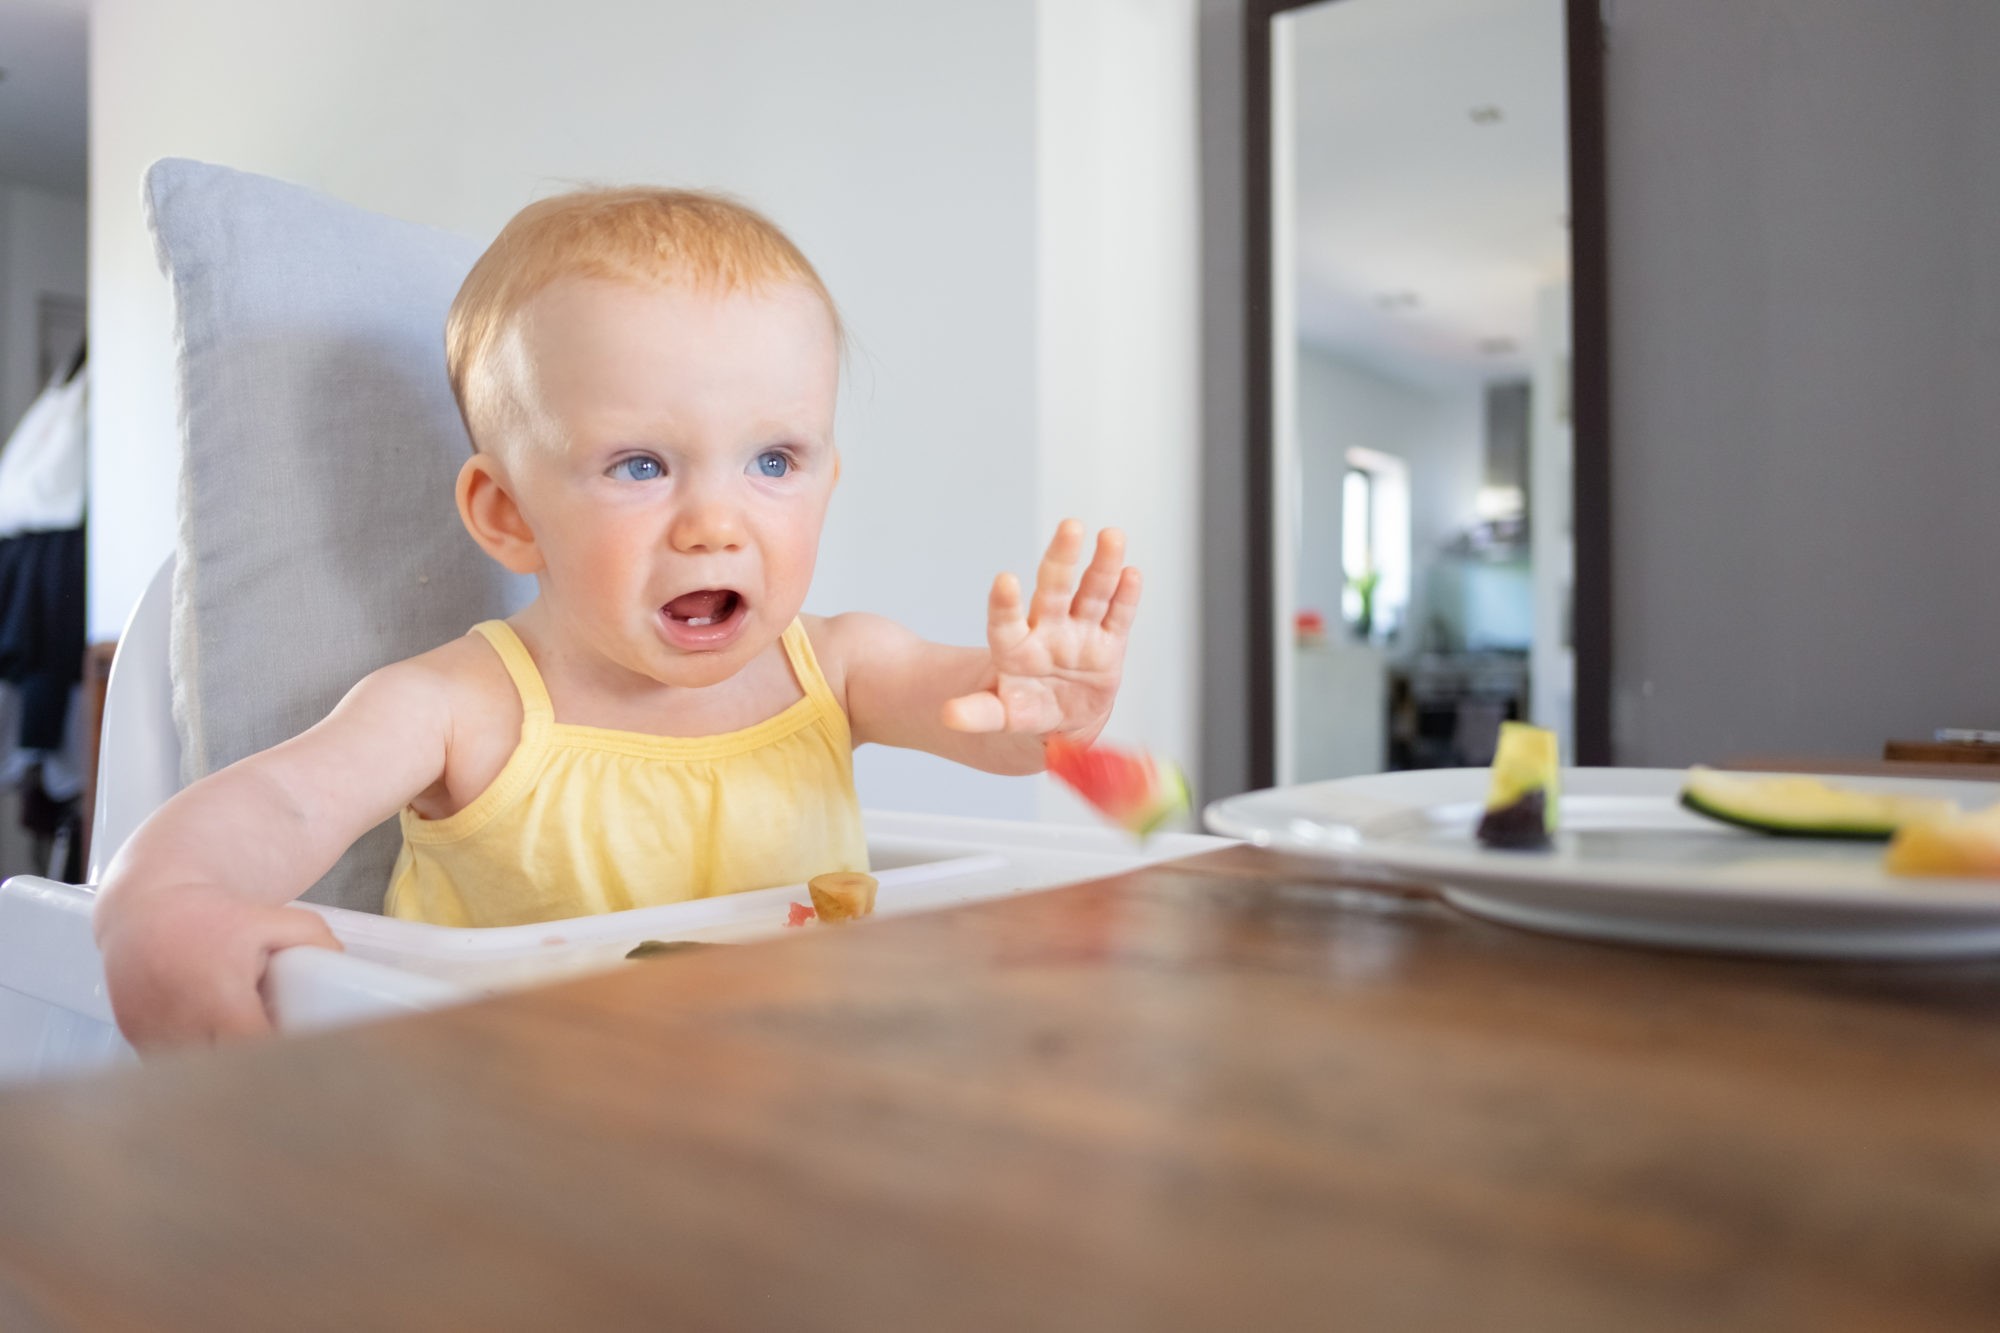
1176	797
1799	806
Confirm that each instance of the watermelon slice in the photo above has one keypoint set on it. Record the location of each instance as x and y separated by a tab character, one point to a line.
1130	788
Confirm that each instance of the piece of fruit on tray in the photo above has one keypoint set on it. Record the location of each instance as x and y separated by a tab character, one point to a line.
663	948
1521	802
1130	788
1801	807
1962	845
842	895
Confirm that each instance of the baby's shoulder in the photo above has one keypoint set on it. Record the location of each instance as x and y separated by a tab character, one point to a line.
838	642
853	638
854	633
461	686
465	669
466	680
473	681
828	636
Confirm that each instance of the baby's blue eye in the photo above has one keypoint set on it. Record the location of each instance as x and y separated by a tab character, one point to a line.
772	463
639	469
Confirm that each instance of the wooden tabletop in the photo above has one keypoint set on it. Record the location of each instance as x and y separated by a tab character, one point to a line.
1223	1094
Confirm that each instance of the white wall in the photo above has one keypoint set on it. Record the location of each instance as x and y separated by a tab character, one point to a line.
1805	309
897	140
1439	432
41	251
1552	528
1117	311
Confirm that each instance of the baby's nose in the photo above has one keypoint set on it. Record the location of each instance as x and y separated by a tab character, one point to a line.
707	526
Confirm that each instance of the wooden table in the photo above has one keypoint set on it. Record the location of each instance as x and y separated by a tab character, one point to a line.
1223	1094
1943	752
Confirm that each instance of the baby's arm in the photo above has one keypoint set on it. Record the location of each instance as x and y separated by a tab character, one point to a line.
193	906
1053	670
898	685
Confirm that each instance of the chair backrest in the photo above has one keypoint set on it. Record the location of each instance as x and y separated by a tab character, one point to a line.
318	538
139	754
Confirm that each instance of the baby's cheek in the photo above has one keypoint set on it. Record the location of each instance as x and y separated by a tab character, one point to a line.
791	567
605	567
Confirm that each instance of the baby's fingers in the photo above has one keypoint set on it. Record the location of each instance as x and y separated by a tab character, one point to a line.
1100	580
1124	603
1057	576
1005	625
236	1013
982	712
250	1015
293	926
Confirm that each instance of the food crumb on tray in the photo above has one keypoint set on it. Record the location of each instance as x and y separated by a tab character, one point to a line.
661	948
842	895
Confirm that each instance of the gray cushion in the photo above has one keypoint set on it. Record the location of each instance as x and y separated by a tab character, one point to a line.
318	538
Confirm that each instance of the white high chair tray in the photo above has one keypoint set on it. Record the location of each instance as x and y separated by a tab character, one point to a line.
1631	866
921	862
54	1016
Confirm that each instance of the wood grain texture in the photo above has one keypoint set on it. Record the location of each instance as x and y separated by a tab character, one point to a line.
1224	1094
1844	766
1941	752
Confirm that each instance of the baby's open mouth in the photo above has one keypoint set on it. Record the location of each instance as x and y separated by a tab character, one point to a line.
710	606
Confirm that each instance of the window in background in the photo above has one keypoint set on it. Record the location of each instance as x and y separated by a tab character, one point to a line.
1357	542
1375	540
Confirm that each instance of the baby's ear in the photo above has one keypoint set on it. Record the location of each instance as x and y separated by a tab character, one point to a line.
488	509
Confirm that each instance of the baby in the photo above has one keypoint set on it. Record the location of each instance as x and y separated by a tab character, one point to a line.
648	378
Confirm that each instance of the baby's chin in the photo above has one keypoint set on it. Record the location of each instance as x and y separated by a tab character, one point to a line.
699	669
691	672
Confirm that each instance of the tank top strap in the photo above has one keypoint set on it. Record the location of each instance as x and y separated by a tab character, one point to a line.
535	705
805	666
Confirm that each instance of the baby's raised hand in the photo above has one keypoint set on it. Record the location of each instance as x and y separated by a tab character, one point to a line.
1057	667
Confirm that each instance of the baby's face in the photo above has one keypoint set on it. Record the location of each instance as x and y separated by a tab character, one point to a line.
678	496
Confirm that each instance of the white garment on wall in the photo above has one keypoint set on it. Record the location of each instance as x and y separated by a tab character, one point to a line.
43	466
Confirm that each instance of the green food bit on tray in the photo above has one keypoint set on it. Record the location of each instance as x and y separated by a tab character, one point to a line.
661	948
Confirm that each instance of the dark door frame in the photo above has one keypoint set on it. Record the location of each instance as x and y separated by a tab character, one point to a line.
1239	677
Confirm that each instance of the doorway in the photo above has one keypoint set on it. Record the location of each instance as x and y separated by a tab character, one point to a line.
1406	461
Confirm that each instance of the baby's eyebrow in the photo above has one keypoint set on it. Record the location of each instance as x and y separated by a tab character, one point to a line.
627	444
804	440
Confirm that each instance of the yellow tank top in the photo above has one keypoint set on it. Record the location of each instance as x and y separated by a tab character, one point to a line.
584	820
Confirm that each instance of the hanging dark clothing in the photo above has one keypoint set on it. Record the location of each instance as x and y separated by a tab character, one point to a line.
42	628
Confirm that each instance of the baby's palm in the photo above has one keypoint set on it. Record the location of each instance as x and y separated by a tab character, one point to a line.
1057	666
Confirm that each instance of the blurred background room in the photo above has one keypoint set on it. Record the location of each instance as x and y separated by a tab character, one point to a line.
43	416
1741	511
1423	234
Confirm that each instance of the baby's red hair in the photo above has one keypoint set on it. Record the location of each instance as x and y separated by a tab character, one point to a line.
637	234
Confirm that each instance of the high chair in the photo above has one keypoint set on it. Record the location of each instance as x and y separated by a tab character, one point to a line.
323	306
55	1017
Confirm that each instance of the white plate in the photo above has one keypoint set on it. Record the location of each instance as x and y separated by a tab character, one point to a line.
1630	865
